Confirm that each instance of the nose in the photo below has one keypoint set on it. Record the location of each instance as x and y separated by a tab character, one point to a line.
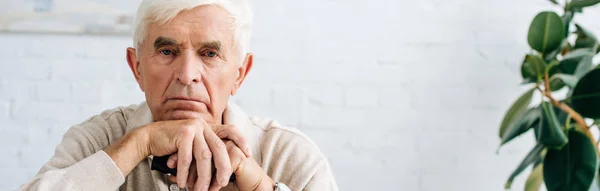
188	70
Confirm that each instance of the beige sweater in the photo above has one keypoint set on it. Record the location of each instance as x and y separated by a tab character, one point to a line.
79	163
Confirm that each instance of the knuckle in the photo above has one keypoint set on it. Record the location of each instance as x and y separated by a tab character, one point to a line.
186	160
221	133
205	155
187	130
219	144
200	122
231	128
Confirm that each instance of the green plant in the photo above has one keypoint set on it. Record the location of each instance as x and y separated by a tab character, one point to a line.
565	157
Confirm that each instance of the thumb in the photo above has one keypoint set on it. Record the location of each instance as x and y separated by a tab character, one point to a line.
248	175
172	161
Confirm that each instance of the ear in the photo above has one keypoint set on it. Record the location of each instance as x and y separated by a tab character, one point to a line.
134	65
243	72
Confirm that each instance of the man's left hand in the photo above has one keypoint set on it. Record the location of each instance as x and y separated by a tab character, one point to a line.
249	176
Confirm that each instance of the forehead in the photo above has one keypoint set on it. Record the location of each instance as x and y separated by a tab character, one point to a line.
200	24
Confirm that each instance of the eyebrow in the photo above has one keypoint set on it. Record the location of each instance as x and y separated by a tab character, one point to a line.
216	45
164	41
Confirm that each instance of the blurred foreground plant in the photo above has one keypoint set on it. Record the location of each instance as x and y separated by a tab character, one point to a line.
565	157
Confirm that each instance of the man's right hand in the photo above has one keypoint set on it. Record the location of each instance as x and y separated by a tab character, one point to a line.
189	139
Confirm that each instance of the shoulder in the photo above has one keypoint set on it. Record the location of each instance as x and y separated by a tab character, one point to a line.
115	117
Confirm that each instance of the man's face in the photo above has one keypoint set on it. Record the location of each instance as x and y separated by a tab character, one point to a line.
190	66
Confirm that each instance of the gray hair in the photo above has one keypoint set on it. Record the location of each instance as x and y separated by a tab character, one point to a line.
162	11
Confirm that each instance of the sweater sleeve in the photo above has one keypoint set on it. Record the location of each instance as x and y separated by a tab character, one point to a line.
79	163
322	179
291	158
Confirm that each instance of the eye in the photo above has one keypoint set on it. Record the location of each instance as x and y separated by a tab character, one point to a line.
211	54
166	52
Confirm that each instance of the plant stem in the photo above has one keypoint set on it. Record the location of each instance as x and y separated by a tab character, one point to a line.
568	122
576	116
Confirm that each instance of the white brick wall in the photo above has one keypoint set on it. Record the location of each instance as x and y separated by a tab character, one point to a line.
399	94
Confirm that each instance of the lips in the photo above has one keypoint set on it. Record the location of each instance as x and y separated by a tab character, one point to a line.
180	98
186	104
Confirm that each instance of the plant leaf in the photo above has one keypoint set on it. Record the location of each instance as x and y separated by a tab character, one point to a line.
569	66
567	18
533	68
527	81
585	43
531	157
552	55
578	53
570	62
576	4
574	166
562	119
555	83
536	129
567	79
524	122
535	179
584	32
554	2
584	66
528	71
546	32
551	131
515	111
586	95
595	186
585	39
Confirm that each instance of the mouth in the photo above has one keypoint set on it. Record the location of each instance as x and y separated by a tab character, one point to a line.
181	98
185	108
182	103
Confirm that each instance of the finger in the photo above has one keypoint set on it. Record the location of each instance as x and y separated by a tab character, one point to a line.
172	161
220	157
184	158
214	186
235	155
246	177
233	133
173	178
192	177
203	157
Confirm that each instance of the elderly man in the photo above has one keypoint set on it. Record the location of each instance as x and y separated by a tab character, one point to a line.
190	56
